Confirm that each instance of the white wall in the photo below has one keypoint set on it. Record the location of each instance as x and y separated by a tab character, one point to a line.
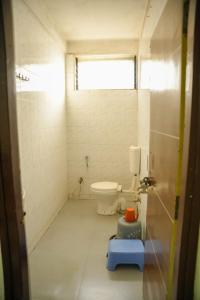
41	119
101	125
103	47
144	105
144	120
153	13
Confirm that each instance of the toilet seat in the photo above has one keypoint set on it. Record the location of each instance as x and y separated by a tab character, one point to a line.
105	187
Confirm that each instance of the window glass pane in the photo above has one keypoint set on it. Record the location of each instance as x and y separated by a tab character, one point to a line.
106	74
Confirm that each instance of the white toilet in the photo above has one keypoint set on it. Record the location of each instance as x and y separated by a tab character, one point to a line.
106	194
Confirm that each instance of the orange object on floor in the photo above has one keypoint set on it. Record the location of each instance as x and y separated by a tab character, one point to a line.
130	215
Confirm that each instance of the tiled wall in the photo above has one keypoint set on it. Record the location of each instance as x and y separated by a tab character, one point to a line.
143	122
165	100
101	125
144	106
41	120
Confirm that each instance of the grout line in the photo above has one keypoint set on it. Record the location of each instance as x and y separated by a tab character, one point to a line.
44	230
77	295
157	262
165	134
165	208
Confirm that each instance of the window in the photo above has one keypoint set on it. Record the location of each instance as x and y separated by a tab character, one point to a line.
105	73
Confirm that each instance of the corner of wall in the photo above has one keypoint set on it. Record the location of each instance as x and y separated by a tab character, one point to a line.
40	12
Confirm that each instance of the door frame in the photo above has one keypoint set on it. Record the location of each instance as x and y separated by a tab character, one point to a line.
13	242
189	206
12	231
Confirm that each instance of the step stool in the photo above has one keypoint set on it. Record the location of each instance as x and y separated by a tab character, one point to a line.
125	252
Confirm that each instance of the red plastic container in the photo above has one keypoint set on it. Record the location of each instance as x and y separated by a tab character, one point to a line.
130	215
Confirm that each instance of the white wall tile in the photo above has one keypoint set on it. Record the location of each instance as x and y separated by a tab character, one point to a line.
101	124
41	111
143	129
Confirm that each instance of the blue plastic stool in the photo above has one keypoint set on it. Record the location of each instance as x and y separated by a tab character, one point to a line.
125	252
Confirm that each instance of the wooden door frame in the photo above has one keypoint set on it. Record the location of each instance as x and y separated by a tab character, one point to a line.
189	210
13	241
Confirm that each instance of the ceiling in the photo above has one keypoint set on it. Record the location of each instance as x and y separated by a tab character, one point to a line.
97	19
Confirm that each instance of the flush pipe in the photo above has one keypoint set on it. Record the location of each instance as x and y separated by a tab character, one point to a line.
134	186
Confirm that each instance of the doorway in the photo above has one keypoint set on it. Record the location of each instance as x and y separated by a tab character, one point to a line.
25	89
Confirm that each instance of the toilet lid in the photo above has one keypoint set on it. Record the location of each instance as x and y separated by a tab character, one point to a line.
105	186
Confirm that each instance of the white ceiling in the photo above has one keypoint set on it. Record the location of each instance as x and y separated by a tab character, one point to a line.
97	19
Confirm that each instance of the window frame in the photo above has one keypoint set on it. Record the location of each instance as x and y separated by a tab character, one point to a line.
103	58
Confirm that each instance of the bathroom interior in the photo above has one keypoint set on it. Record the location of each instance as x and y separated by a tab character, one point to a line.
81	125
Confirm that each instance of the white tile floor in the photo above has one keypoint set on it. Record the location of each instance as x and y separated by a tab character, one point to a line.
69	261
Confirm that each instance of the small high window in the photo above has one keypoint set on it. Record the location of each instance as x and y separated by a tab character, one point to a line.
105	73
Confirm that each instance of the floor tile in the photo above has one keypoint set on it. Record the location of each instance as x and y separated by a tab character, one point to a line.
69	262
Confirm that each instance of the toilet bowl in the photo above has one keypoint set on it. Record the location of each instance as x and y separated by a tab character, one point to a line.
106	194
